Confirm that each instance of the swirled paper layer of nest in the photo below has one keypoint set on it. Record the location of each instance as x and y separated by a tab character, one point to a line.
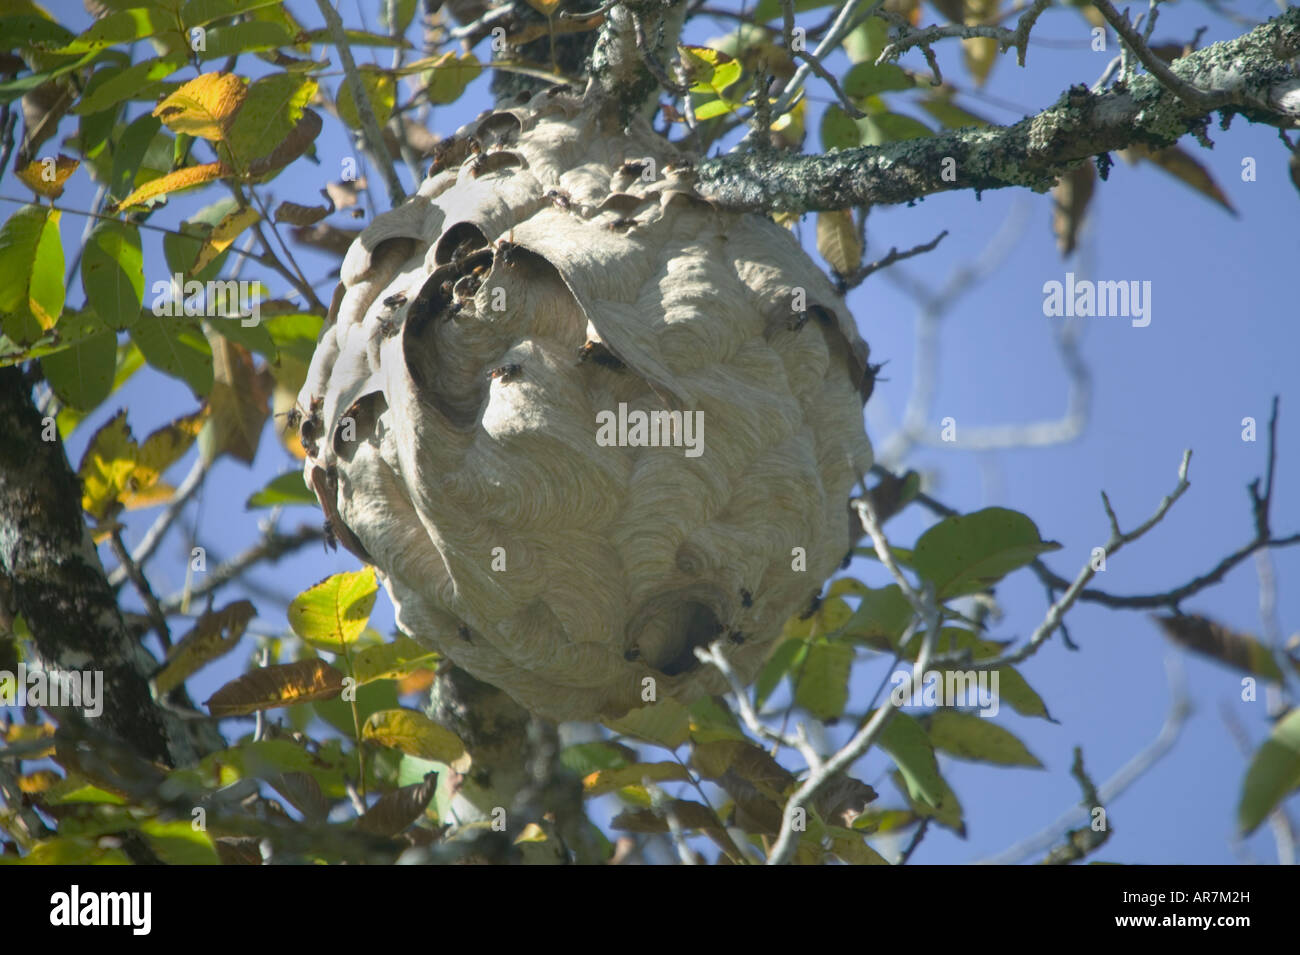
581	420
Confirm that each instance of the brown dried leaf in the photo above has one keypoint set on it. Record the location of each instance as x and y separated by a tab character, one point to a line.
1205	636
396	811
1182	166
326	237
300	215
238	402
345	195
293	146
1070	198
213	635
278	685
690	816
843	799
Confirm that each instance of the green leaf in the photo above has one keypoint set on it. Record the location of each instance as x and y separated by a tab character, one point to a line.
968	553
881	618
910	748
253	337
609	780
112	273
823	682
884	128
941	107
121	27
1012	688
332	614
250	36
587	758
31	260
838	129
778	665
117	84
867	40
196	13
271	110
1274	773
771	9
129	151
182	250
712	721
177	842
287	489
974	737
391	661
867	79
295	334
82	376
177	347
946	811
666	723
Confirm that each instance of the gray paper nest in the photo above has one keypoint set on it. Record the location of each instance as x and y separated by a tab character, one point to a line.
554	266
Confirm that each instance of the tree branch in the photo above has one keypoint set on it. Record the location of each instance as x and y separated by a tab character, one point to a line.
1251	72
57	583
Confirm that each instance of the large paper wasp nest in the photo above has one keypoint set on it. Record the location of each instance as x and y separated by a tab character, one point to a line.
581	420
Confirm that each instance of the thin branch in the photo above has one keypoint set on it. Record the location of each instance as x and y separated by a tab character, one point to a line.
1199	100
909	36
1250	71
1179	710
156	616
158	530
370	131
1056	612
860	275
271	548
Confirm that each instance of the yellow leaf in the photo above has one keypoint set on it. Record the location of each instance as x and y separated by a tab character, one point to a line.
162	449
380	89
222	235
205	106
115	471
544	7
107	463
416	735
46	176
332	614
186	178
838	242
448	76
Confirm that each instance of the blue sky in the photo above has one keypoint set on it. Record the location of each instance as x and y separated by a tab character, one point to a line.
1222	341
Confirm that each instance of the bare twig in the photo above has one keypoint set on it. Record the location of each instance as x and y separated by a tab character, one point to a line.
909	36
271	548
1056	612
156	616
1179	710
1197	99
860	275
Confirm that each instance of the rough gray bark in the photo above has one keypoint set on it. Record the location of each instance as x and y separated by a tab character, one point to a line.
1252	75
55	580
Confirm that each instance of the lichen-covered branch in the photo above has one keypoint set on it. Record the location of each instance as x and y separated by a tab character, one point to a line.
1250	74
